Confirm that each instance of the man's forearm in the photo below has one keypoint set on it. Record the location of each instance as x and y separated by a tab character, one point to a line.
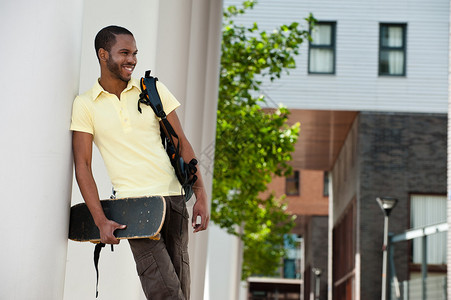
187	154
201	207
90	193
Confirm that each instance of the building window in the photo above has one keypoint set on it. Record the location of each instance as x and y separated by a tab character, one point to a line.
292	184
322	49
292	261
392	49
326	184
429	210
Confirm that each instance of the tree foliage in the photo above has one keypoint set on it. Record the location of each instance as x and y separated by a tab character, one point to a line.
253	144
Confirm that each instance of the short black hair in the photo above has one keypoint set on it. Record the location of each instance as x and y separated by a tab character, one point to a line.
106	37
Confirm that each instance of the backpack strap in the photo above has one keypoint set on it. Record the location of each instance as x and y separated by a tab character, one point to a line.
97	250
150	96
185	172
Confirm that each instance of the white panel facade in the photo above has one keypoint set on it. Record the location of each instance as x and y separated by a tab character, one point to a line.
356	84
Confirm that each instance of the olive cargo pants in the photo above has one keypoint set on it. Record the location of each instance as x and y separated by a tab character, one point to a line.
163	265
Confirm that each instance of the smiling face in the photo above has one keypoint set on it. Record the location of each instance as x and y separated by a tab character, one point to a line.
121	59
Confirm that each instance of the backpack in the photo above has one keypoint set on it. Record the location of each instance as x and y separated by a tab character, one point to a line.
185	172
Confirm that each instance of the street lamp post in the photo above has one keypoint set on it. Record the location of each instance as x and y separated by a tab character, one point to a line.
386	204
317	272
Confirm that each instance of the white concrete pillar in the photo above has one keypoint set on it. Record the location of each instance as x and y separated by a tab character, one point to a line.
40	75
223	276
188	52
330	282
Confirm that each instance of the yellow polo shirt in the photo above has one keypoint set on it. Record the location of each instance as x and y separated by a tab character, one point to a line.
128	141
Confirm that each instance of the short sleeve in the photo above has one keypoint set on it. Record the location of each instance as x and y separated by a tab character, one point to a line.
168	100
81	117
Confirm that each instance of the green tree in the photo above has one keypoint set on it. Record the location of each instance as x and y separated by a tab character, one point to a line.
253	144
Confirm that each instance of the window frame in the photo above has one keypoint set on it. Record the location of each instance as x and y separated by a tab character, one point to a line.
387	48
332	46
416	244
326	184
296	178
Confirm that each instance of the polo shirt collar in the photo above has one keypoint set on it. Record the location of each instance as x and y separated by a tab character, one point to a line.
97	89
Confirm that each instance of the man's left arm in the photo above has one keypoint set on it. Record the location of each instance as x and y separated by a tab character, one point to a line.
186	151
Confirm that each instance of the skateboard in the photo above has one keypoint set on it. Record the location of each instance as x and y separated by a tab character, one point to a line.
143	216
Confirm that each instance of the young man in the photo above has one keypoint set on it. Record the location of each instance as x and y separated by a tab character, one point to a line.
137	163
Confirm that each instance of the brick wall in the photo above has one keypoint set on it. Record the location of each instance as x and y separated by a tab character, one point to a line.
311	200
398	154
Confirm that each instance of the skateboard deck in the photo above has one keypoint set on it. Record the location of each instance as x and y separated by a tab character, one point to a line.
143	216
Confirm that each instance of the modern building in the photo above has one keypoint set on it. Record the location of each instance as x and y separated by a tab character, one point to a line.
371	93
306	193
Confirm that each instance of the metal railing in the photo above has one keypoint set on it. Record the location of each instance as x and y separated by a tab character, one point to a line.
412	289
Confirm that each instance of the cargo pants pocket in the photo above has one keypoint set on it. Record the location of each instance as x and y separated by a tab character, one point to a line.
151	279
178	225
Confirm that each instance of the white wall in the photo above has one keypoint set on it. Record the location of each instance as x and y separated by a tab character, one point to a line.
356	84
40	75
345	174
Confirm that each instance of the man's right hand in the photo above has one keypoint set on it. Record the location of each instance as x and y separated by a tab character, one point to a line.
107	229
